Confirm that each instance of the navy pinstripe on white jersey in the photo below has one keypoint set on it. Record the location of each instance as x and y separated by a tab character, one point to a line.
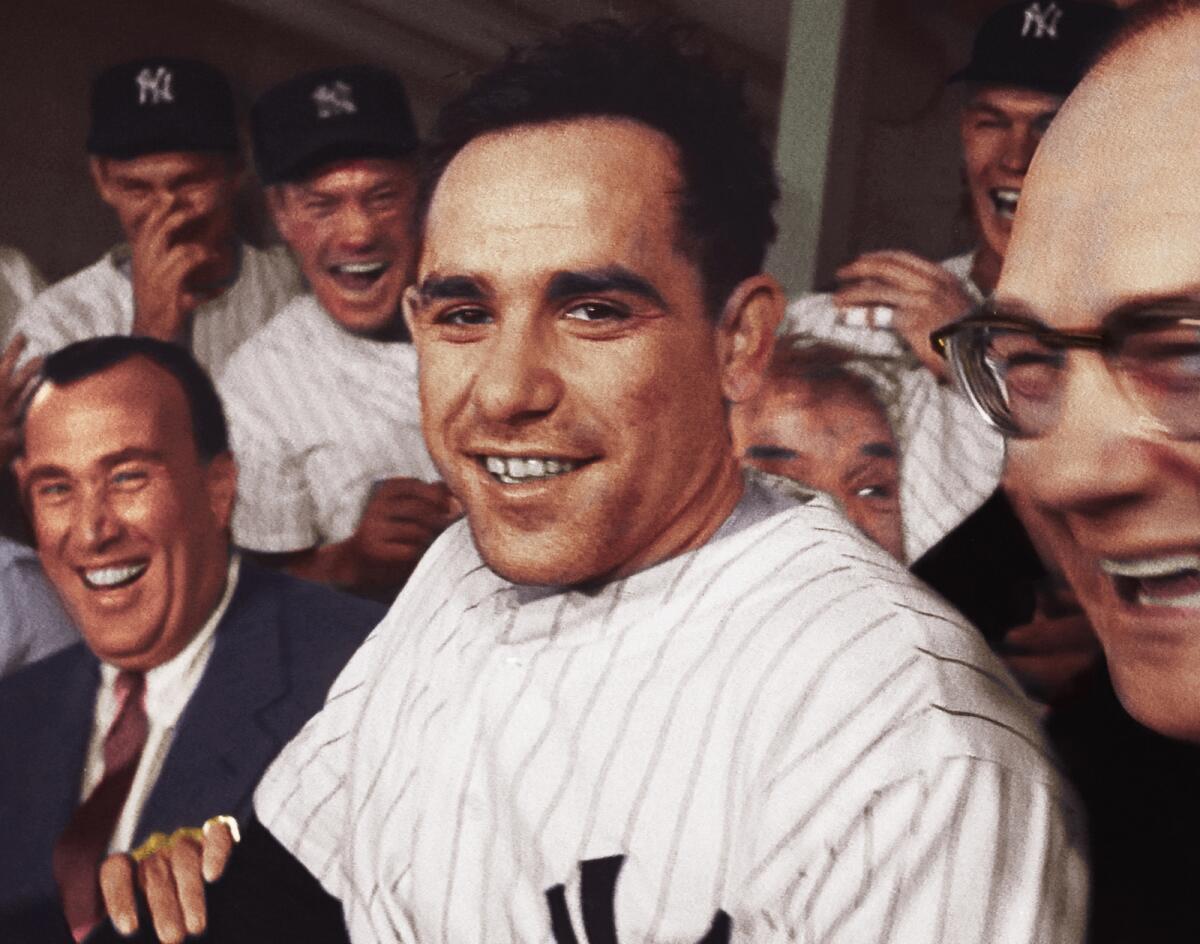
780	734
318	415
98	300
950	459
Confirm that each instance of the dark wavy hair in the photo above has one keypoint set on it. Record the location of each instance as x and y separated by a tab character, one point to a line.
657	74
87	358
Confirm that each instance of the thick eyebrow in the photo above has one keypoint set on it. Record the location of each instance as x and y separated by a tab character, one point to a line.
598	281
455	287
771	452
984	108
879	450
1182	303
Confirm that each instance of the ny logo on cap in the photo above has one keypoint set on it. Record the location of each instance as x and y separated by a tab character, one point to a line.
334	99
154	88
1042	22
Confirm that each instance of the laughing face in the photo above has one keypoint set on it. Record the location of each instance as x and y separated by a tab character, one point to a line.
572	381
1112	219
828	433
350	227
130	524
1001	127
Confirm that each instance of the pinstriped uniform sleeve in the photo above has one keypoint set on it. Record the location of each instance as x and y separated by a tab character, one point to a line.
965	851
304	798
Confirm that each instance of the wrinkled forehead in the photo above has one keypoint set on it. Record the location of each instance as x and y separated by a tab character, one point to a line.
1110	211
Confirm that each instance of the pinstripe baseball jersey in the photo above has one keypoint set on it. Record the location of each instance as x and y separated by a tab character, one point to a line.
317	415
950	459
777	736
19	282
98	300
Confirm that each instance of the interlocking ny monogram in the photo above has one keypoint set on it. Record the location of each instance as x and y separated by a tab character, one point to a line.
597	905
334	99
154	88
1042	22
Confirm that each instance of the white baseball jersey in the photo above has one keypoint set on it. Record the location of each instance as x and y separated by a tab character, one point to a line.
98	300
950	459
20	281
779	736
317	415
33	623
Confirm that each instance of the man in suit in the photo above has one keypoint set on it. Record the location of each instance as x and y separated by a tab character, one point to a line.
196	666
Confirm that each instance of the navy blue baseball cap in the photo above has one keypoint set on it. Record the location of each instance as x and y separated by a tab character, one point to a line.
330	115
161	104
1045	45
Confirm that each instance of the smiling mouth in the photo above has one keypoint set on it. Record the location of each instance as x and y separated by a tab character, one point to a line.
112	578
1168	581
1005	199
514	470
358	276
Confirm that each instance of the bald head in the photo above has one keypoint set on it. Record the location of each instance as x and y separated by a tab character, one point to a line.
1110	222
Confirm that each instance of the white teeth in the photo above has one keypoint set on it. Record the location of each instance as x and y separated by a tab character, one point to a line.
512	470
111	576
1188	601
1151	567
361	268
1006	200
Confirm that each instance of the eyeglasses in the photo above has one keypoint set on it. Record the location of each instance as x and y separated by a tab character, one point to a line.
1014	368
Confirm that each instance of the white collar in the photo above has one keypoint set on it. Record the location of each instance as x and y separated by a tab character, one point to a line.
170	685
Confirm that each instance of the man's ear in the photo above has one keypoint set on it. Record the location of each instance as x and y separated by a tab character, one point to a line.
98	166
277	206
409	301
220	479
20	469
746	335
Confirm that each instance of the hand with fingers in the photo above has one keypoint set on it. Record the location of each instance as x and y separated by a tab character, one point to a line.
167	257
921	295
402	518
15	386
170	872
1053	655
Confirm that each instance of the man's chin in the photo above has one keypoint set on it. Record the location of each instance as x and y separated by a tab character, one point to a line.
536	560
1166	701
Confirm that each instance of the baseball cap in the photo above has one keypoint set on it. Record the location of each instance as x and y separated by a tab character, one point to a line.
328	115
148	106
1046	46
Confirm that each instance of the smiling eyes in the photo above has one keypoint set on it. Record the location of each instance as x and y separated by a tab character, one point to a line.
121	480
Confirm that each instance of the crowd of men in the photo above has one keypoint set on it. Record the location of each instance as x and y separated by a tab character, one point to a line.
505	558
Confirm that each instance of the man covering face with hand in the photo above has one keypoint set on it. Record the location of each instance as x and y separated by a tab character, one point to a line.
163	155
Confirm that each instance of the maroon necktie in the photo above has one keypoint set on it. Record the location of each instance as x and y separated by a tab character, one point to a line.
83	844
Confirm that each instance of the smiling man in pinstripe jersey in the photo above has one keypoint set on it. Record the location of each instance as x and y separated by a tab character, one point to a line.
636	696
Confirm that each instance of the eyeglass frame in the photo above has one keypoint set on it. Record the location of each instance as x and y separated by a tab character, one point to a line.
1107	342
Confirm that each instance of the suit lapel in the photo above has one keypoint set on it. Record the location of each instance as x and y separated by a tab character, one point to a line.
61	746
225	737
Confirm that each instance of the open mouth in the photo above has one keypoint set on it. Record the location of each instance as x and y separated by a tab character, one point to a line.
112	578
514	470
1005	199
1170	581
358	276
